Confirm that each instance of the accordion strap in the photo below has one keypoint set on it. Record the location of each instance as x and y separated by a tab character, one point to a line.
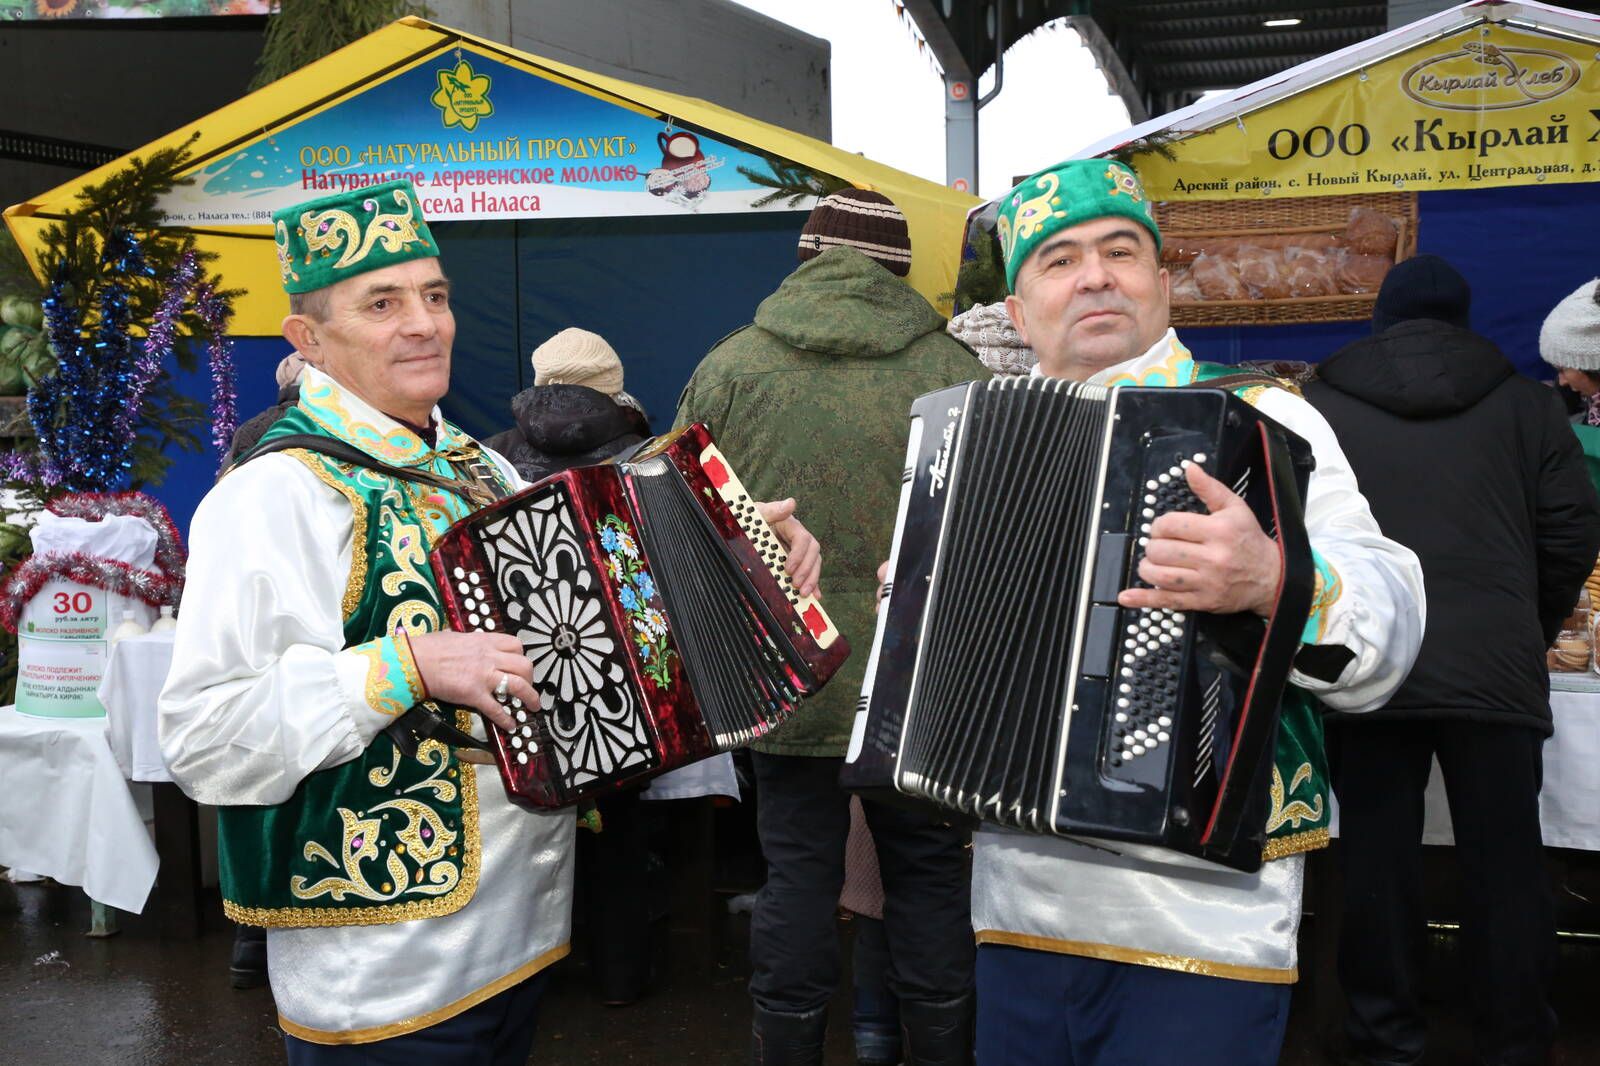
1256	733
478	486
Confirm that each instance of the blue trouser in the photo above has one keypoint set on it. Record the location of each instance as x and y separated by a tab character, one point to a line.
496	1032
1036	1008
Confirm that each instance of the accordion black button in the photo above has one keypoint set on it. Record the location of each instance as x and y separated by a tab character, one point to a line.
1100	642
1110	564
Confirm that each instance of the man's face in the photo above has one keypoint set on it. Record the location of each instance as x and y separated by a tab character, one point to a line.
387	337
1092	296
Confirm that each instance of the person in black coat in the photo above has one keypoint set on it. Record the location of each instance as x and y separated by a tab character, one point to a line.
1476	470
577	414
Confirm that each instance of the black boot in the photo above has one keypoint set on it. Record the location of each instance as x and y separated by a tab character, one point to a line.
249	967
779	1038
937	1034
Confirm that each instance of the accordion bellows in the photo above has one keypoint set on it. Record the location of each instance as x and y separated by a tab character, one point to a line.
651	599
1005	681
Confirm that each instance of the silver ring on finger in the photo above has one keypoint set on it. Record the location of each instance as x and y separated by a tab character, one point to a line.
503	689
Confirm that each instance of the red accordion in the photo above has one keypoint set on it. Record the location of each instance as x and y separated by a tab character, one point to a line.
650	597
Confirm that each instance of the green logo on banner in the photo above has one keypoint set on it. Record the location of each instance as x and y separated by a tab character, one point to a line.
462	97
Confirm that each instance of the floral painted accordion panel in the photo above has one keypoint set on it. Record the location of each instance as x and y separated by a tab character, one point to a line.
651	599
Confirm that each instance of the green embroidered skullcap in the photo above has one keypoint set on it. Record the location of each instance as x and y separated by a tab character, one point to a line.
1066	195
335	237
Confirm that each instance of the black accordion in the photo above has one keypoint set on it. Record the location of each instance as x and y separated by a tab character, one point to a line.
1005	681
651	598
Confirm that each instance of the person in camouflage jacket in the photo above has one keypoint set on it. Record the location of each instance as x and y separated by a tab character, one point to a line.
813	400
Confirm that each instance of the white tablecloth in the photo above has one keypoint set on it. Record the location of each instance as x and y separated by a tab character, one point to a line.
132	683
67	811
708	777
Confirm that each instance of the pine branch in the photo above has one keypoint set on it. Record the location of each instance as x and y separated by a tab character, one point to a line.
303	31
790	181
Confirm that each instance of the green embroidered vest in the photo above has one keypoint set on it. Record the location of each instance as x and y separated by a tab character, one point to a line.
1298	817
385	837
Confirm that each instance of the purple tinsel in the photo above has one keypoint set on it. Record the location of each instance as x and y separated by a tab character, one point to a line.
158	342
216	313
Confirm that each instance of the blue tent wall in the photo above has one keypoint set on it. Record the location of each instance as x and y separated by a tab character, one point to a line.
255	361
1521	249
661	290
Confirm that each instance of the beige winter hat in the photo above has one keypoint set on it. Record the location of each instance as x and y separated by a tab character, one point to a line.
578	357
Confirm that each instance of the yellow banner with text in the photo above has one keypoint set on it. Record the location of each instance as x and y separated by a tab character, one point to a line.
1491	105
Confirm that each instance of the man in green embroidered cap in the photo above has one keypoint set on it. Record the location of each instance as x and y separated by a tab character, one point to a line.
1115	953
406	900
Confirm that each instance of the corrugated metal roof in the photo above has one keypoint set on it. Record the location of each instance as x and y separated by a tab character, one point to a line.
1171	50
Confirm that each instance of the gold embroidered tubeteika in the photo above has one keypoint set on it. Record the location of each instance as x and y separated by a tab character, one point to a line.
328	231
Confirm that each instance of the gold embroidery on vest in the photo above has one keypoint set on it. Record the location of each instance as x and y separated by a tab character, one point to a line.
1296	811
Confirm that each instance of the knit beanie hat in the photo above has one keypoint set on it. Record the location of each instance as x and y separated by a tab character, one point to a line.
988	330
1424	286
861	219
1570	337
578	357
290	369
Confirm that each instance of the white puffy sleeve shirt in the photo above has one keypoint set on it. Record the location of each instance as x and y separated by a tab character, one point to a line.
262	694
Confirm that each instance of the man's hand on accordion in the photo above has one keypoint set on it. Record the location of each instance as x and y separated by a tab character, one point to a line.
805	554
472	669
1220	563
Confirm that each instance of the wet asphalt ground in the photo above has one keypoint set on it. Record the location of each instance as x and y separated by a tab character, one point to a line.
136	999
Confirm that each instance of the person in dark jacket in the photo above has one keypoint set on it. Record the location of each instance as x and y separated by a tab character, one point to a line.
576	413
1476	470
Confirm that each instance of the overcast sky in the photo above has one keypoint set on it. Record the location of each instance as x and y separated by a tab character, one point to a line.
888	99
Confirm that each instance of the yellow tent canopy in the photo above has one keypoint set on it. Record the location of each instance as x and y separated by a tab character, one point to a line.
246	259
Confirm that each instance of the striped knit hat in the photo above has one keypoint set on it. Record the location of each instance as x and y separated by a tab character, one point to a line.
867	221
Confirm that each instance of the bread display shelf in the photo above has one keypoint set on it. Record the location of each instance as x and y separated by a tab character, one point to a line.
1325	219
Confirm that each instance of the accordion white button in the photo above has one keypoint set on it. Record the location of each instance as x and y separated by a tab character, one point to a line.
1121	717
1137	749
1140	735
1199	457
488	623
460	572
1128	742
522	716
516	741
1164	722
1151	485
1122	703
474	578
464	588
1163	737
522	758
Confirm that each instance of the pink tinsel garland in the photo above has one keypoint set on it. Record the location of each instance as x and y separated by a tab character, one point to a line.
150	586
94	506
162	585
